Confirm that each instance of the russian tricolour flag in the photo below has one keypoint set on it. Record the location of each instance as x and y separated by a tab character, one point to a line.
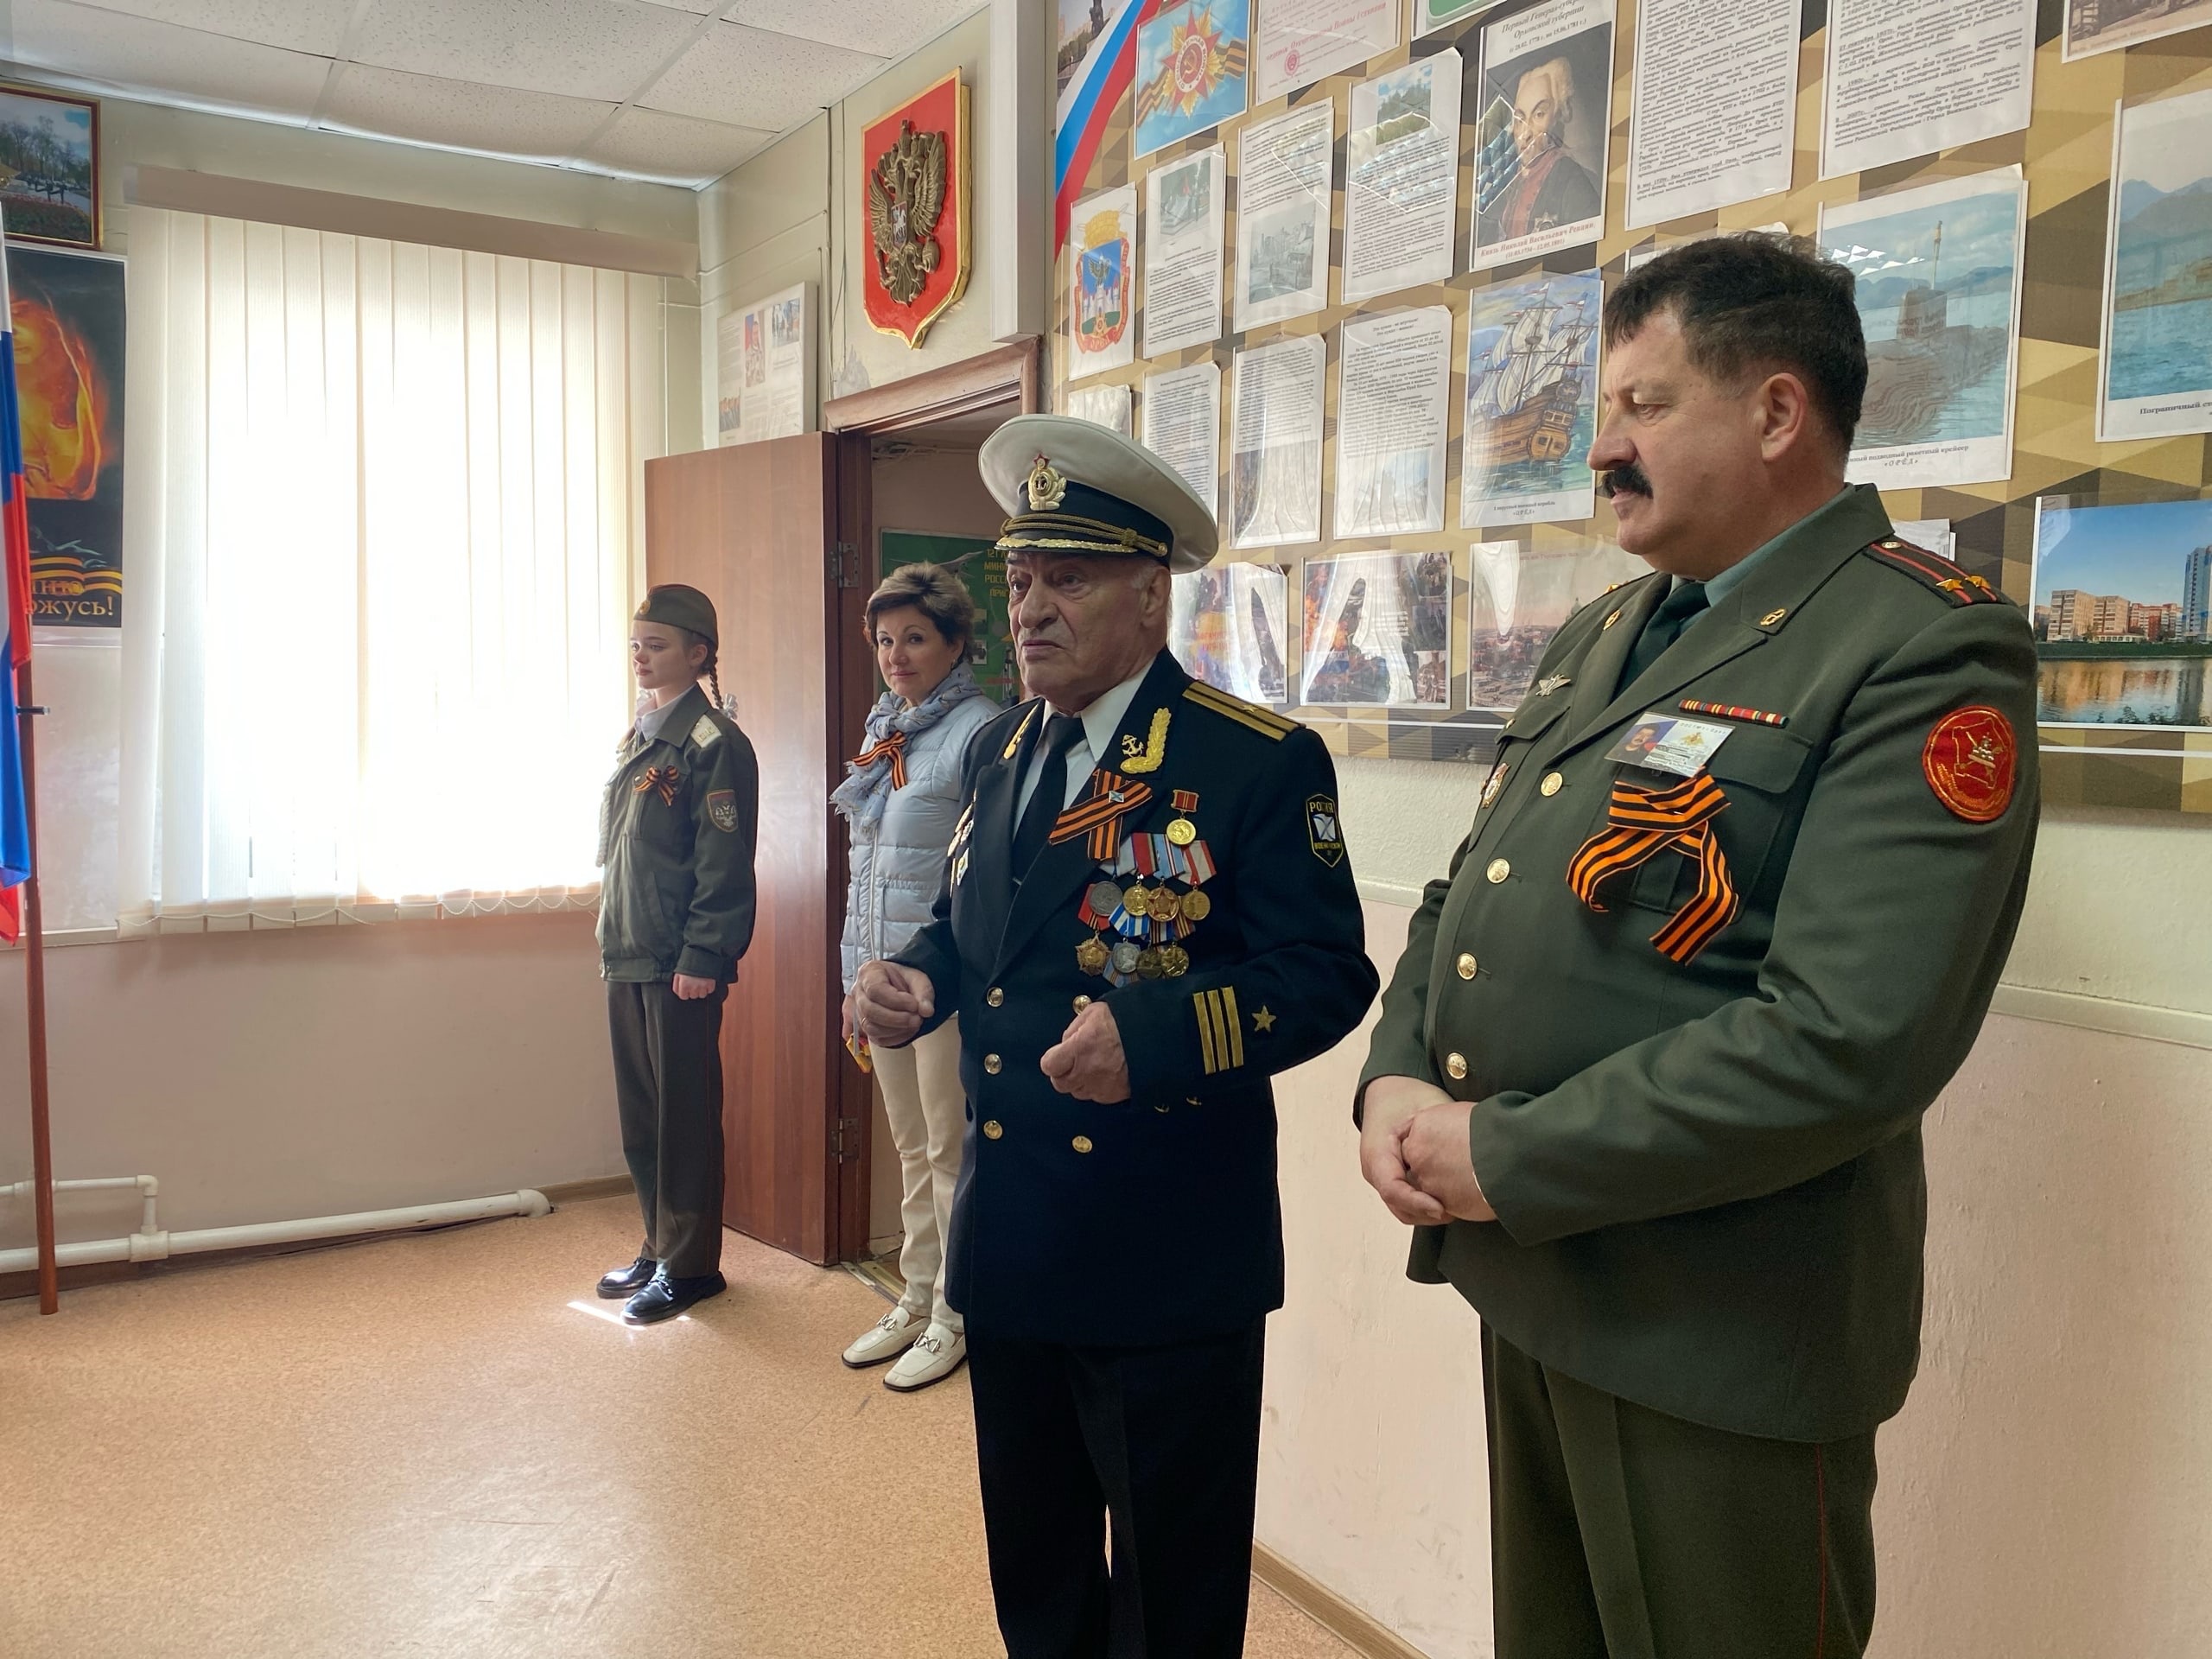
15	628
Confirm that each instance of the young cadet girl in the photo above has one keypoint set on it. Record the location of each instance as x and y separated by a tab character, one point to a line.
676	840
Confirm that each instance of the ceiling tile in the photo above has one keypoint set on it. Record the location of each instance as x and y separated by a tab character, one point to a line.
752	78
315	26
498	120
675	149
184	64
579	49
889	28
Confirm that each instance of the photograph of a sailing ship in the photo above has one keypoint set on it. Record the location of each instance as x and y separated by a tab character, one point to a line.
1938	286
1532	401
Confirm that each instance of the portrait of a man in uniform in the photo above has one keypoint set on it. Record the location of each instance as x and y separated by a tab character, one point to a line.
1552	188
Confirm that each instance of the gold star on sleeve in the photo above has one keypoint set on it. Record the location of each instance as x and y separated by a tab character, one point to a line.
1263	1020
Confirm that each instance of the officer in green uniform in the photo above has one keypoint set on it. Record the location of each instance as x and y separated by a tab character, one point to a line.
1649	1075
676	838
1147	913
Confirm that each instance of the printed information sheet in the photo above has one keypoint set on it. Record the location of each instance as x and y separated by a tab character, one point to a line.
1713	116
1909	77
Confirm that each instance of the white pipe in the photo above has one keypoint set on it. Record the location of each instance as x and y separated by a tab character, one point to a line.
148	1187
154	1246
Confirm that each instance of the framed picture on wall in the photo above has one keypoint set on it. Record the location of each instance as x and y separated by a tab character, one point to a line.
50	167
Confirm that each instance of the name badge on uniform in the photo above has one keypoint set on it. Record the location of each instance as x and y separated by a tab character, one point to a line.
1670	743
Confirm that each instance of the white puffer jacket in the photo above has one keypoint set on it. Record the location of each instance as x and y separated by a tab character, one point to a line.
899	859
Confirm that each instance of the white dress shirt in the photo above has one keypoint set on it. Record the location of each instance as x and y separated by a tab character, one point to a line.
1100	721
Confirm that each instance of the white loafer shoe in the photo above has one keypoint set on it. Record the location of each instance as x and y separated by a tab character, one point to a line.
888	1338
937	1354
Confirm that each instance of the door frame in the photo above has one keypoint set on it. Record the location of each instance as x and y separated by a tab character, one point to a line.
1006	373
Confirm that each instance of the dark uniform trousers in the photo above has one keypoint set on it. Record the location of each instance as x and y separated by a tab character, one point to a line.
1165	1438
1117	1261
1618	1532
668	1089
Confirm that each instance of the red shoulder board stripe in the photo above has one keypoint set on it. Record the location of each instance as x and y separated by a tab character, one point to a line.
1932	570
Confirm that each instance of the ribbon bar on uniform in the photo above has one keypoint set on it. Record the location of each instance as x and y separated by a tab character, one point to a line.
1642	822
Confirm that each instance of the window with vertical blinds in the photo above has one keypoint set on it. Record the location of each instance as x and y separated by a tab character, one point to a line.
386	507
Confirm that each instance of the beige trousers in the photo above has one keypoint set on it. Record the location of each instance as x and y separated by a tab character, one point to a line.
923	1098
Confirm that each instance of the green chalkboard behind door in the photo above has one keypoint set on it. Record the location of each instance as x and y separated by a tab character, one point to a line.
981	570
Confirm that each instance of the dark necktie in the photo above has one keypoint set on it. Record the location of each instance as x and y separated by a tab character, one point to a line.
1062	732
1676	613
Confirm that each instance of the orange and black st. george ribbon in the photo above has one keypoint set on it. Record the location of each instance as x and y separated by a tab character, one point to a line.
1641	822
663	778
895	747
1112	797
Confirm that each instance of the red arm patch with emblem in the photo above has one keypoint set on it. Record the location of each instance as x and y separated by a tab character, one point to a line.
1970	759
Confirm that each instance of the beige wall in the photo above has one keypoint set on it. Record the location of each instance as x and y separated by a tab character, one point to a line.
797	213
273	1075
317	1071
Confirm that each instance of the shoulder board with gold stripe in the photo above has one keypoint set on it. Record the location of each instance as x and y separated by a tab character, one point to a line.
704	732
1932	570
1028	714
1265	721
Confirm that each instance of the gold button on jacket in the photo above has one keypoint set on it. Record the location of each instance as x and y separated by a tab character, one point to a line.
1457	1066
1552	784
991	1064
1082	1143
994	996
1466	965
991	1130
1499	869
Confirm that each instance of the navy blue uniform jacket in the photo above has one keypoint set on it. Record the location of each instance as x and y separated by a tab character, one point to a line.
1153	1219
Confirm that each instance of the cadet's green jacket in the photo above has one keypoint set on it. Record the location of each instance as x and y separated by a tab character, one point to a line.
1708	1177
676	836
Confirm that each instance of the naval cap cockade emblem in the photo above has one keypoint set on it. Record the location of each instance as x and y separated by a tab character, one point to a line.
905	199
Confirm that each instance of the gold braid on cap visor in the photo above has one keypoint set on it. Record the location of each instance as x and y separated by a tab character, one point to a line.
1062	533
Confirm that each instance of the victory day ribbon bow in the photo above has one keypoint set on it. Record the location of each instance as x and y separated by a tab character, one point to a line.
895	747
1641	823
663	778
1111	797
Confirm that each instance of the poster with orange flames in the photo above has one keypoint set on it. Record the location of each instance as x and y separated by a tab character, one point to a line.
69	336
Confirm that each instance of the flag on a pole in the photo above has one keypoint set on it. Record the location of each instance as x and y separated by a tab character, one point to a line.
15	627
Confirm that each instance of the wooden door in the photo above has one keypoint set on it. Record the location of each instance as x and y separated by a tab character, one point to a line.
753	527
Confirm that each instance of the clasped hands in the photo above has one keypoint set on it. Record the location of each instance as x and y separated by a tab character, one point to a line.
890	1002
1414	1151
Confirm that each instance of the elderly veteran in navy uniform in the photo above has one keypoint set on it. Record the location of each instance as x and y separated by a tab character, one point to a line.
1649	1075
1148	912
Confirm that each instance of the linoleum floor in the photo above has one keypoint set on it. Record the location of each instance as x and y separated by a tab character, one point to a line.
444	1446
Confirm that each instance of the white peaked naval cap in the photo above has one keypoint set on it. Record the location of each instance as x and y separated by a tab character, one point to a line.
1072	487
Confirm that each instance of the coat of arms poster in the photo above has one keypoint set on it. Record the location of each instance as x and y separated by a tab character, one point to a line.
914	163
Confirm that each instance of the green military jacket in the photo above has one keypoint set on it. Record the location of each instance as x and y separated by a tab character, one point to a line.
1707	1172
676	839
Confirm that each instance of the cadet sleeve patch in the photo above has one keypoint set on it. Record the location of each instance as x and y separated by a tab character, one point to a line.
1970	759
704	732
721	810
1323	830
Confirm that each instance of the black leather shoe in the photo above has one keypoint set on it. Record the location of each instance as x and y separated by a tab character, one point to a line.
666	1297
628	1282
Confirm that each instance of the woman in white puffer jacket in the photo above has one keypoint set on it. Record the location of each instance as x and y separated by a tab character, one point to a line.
901	800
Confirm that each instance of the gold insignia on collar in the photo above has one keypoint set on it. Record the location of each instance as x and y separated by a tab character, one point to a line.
1046	484
1552	682
1773	617
1614	618
1148	756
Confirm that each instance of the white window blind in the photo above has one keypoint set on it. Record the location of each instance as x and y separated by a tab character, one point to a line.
385	509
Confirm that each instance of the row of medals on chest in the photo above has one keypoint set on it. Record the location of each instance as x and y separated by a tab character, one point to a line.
1150	921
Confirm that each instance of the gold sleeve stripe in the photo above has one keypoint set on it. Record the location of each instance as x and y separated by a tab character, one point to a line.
1015	743
1235	1028
1245	714
1205	1035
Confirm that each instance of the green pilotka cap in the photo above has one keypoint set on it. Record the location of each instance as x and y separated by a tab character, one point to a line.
678	607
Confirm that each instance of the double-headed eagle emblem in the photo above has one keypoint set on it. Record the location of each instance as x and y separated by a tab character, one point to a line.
905	197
